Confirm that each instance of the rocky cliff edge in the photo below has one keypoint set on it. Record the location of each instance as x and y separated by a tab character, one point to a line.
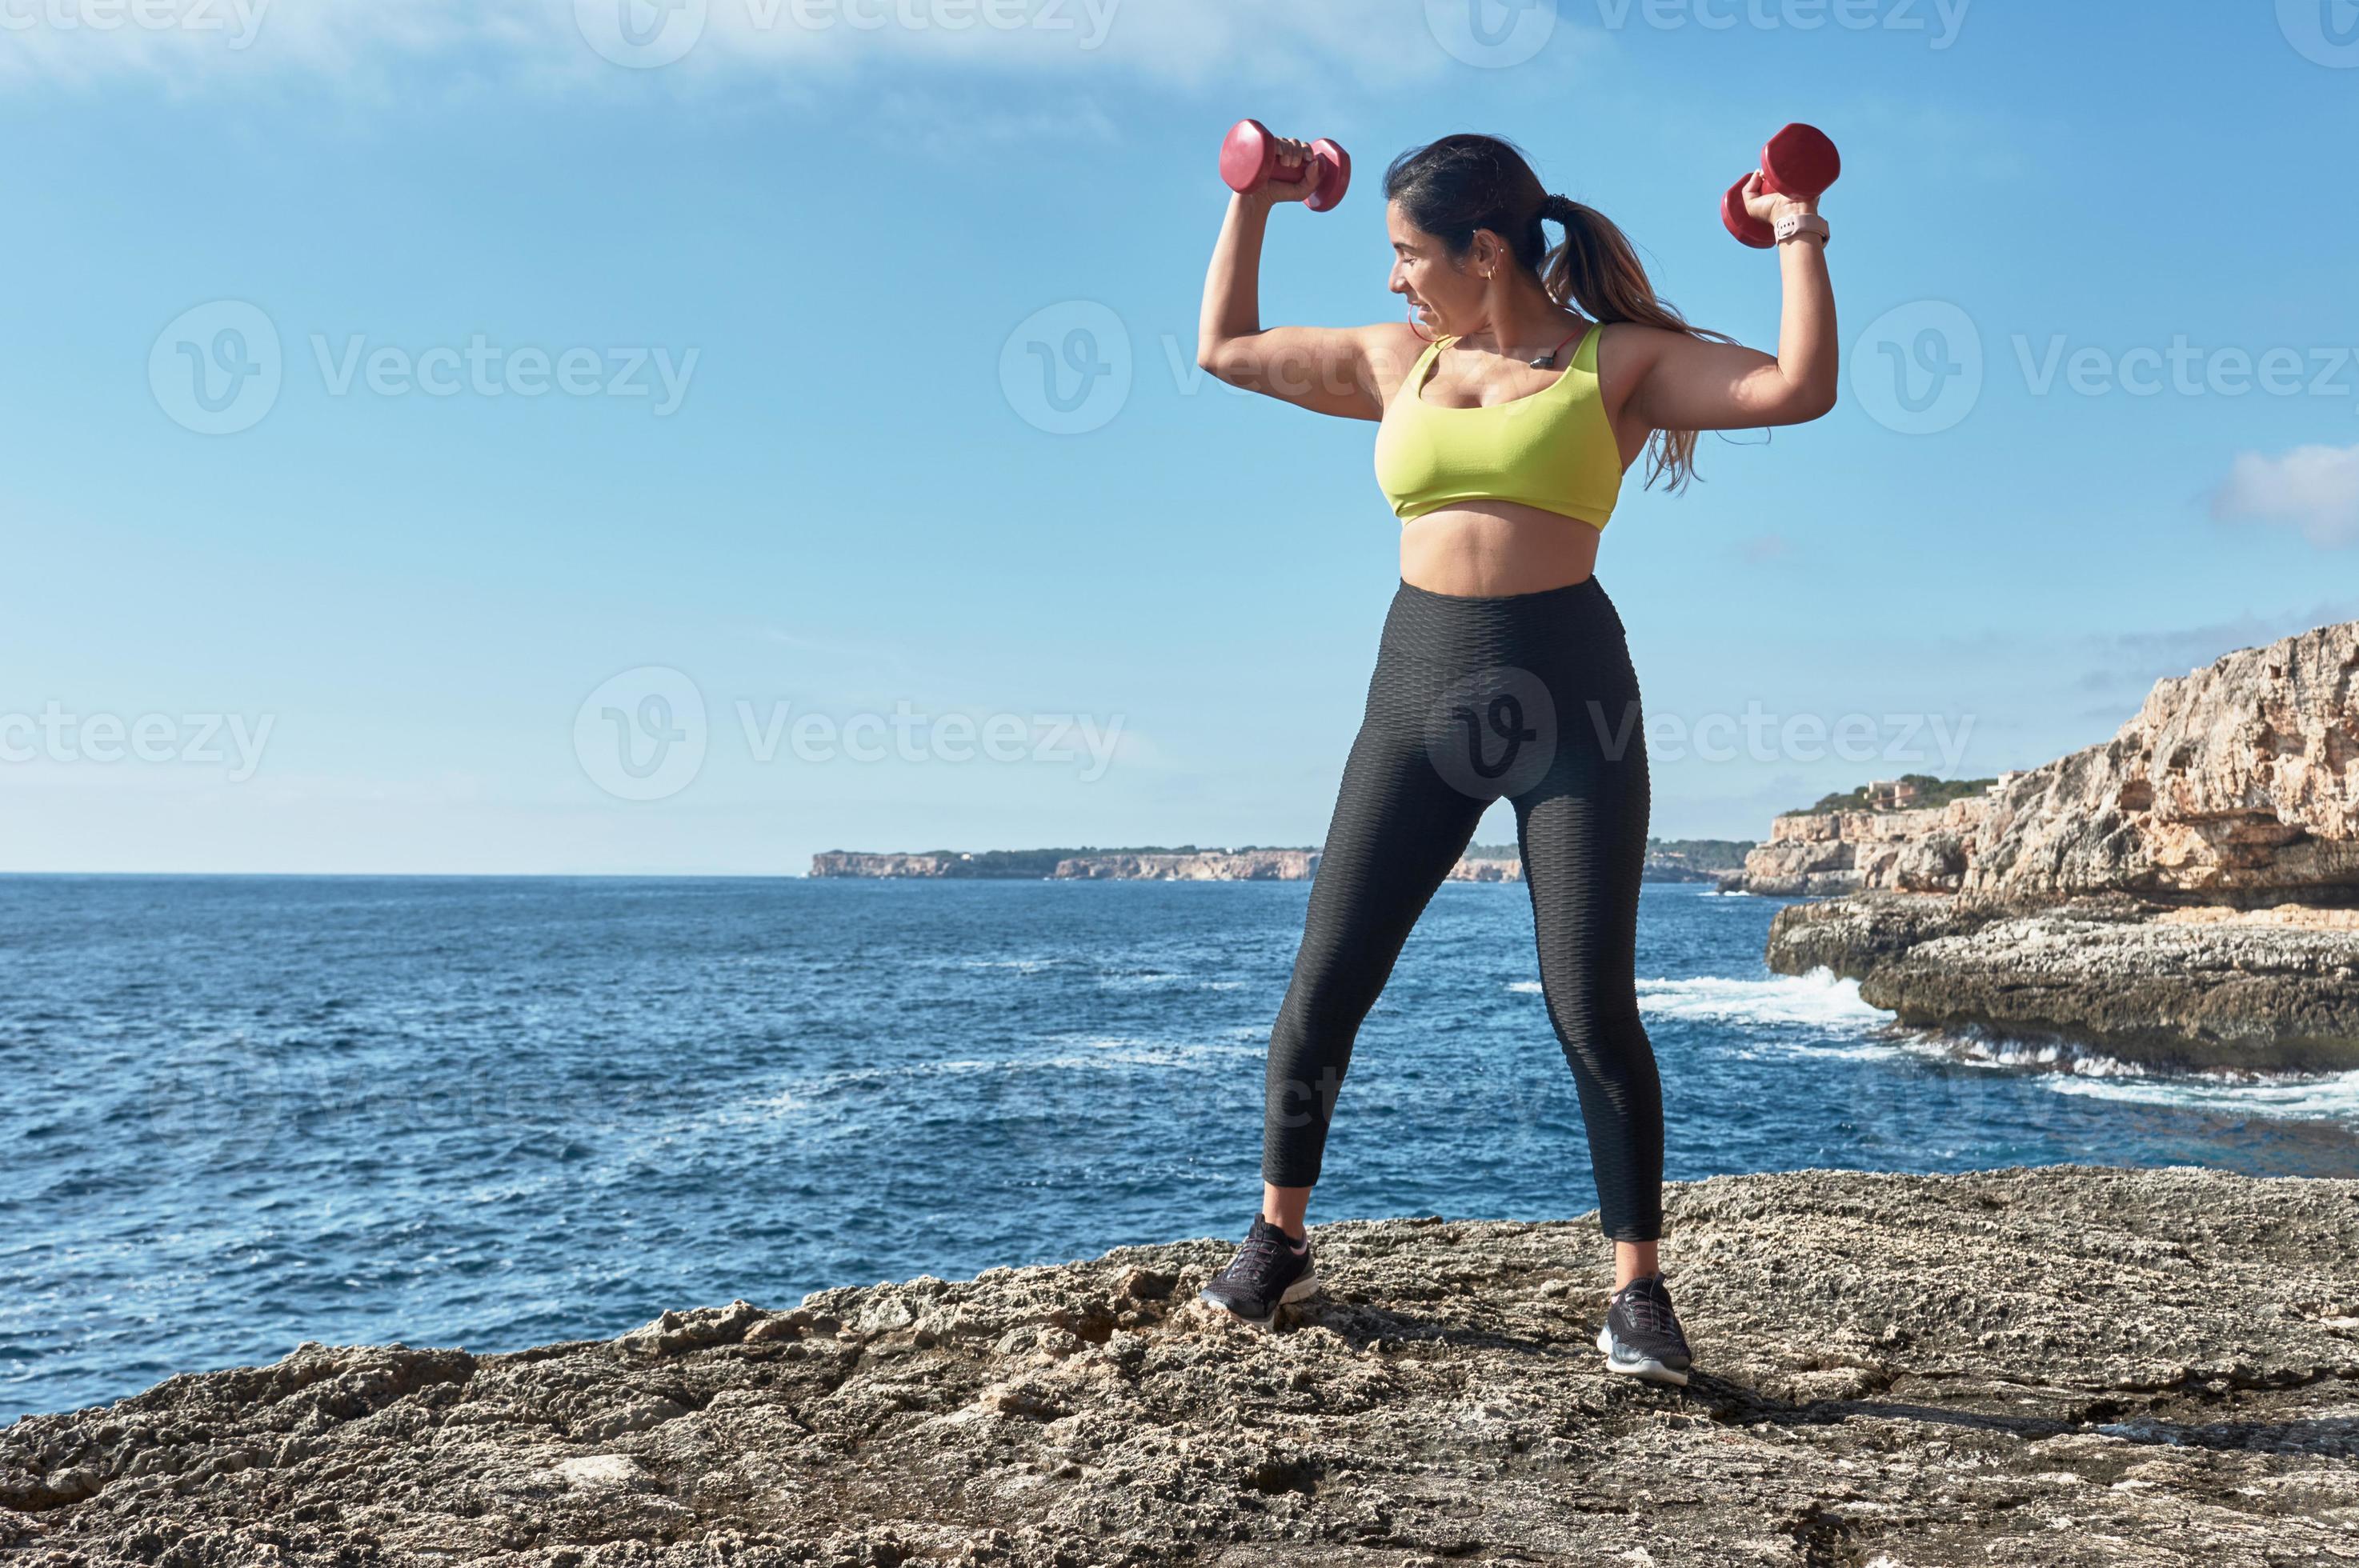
2058	1367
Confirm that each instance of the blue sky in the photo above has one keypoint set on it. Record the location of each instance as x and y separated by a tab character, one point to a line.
563	380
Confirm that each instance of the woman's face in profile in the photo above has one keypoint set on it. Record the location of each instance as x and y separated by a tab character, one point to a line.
1419	267
1424	275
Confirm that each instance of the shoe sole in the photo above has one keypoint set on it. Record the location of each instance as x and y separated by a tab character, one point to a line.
1302	1288
1644	1366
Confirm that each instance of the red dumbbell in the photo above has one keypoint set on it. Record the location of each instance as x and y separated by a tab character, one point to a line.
1249	161
1801	162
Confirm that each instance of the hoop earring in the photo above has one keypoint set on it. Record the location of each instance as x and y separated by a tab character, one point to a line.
1417	330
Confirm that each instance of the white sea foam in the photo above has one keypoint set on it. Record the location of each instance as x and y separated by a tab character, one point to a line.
1098	1052
2326	1097
1981	1048
1160	979
1140	979
1865	1051
1021	966
2068	1069
1818	1015
1817	1001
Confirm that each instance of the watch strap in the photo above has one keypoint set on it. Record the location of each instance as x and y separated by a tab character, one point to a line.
1794	223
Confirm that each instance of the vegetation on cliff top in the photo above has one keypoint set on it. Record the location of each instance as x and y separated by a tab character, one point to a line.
1701	854
1927	791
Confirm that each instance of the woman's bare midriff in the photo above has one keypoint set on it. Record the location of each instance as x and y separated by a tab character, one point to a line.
1495	547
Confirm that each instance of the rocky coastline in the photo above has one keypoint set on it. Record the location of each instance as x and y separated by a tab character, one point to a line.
2175	987
1685	861
2065	1367
2185	894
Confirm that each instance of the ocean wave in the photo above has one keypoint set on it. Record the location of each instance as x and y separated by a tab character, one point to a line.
2321	1096
2065	1068
1160	979
1973	1047
1819	999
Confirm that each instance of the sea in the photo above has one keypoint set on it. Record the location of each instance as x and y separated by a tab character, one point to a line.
240	1113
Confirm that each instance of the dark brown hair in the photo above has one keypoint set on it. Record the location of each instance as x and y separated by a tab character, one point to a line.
1462	183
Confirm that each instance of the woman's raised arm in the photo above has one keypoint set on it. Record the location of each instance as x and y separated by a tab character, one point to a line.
1689	383
1324	369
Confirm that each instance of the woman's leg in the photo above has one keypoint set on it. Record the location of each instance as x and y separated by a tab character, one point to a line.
1397	828
1582	829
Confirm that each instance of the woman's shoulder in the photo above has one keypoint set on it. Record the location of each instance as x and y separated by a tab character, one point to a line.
1393	349
1396	336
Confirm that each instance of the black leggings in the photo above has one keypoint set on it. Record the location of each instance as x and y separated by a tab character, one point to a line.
1528	695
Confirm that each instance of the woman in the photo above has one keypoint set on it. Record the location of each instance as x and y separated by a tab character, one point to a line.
1525	383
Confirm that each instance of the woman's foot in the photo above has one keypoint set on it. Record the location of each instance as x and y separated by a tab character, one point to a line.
1270	1269
1642	1335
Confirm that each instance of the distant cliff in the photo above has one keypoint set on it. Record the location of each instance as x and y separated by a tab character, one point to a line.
1151	863
1683	860
2185	894
845	863
2237	784
1816	854
1204	866
1694	859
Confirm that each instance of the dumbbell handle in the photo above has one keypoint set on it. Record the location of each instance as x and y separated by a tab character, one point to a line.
1801	161
1249	161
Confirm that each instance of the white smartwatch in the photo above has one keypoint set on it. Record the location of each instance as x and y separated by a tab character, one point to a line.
1794	223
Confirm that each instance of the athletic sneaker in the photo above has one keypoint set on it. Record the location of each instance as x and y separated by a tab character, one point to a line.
1268	1270
1642	1335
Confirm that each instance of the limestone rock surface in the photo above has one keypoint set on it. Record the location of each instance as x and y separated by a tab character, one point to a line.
2071	1368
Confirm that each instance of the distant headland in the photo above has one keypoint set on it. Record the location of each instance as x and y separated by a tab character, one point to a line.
1668	860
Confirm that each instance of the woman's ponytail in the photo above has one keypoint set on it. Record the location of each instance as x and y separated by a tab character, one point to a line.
1464	183
1598	269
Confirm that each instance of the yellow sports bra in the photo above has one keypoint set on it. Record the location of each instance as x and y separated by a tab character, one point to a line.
1553	449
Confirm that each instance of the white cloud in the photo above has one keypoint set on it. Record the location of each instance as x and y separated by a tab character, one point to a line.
190	43
2316	489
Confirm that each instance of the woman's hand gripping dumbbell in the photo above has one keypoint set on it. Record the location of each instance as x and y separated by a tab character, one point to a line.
1313	173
